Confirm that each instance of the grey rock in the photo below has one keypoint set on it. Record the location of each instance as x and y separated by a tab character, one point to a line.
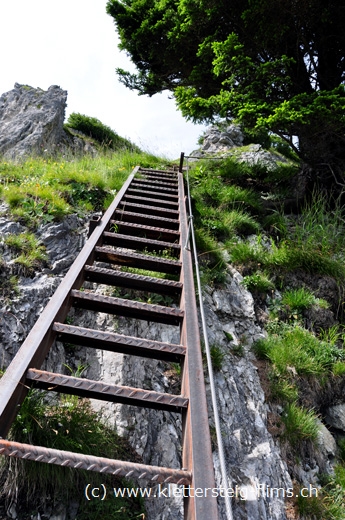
59	513
7	227
326	441
256	155
63	241
335	416
235	134
220	141
31	123
223	141
31	120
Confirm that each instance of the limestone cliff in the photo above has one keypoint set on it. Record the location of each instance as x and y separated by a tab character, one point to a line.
31	123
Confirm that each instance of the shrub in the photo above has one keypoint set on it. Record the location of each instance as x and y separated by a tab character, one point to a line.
90	126
258	282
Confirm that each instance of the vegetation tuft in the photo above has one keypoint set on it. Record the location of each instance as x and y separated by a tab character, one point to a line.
32	255
69	424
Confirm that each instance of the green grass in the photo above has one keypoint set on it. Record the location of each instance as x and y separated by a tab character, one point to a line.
42	190
258	282
321	226
299	299
296	350
32	253
286	257
333	494
217	357
300	424
70	424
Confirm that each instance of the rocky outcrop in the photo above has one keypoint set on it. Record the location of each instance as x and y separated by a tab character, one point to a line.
19	311
226	141
217	140
335	417
31	123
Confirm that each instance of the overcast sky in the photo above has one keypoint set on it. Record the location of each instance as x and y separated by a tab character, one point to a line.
73	44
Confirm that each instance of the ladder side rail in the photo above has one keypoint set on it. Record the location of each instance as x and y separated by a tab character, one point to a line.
38	342
196	449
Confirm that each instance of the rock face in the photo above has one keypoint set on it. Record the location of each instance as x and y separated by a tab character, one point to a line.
216	140
31	123
335	416
31	120
19	313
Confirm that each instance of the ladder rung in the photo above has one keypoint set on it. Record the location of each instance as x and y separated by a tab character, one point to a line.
153	202
105	392
119	468
152	185
134	229
165	173
167	181
137	261
127	308
149	210
139	218
119	343
151	194
160	173
132	280
119	240
157	181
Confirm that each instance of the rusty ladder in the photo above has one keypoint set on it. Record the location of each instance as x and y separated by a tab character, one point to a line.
148	214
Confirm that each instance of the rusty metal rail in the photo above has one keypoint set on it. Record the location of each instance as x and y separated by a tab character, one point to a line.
148	215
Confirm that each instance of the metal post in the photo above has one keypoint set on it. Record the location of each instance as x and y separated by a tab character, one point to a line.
180	169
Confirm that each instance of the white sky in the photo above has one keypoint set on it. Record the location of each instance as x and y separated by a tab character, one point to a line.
73	44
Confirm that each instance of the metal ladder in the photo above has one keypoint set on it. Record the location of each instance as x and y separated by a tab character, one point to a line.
148	214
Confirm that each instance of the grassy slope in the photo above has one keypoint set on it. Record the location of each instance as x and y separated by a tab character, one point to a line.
287	259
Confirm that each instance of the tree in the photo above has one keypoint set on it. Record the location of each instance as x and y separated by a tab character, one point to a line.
277	66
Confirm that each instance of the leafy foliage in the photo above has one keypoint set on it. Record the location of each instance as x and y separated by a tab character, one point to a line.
271	65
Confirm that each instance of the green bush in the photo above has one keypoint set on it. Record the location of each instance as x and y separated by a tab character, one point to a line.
258	282
93	127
